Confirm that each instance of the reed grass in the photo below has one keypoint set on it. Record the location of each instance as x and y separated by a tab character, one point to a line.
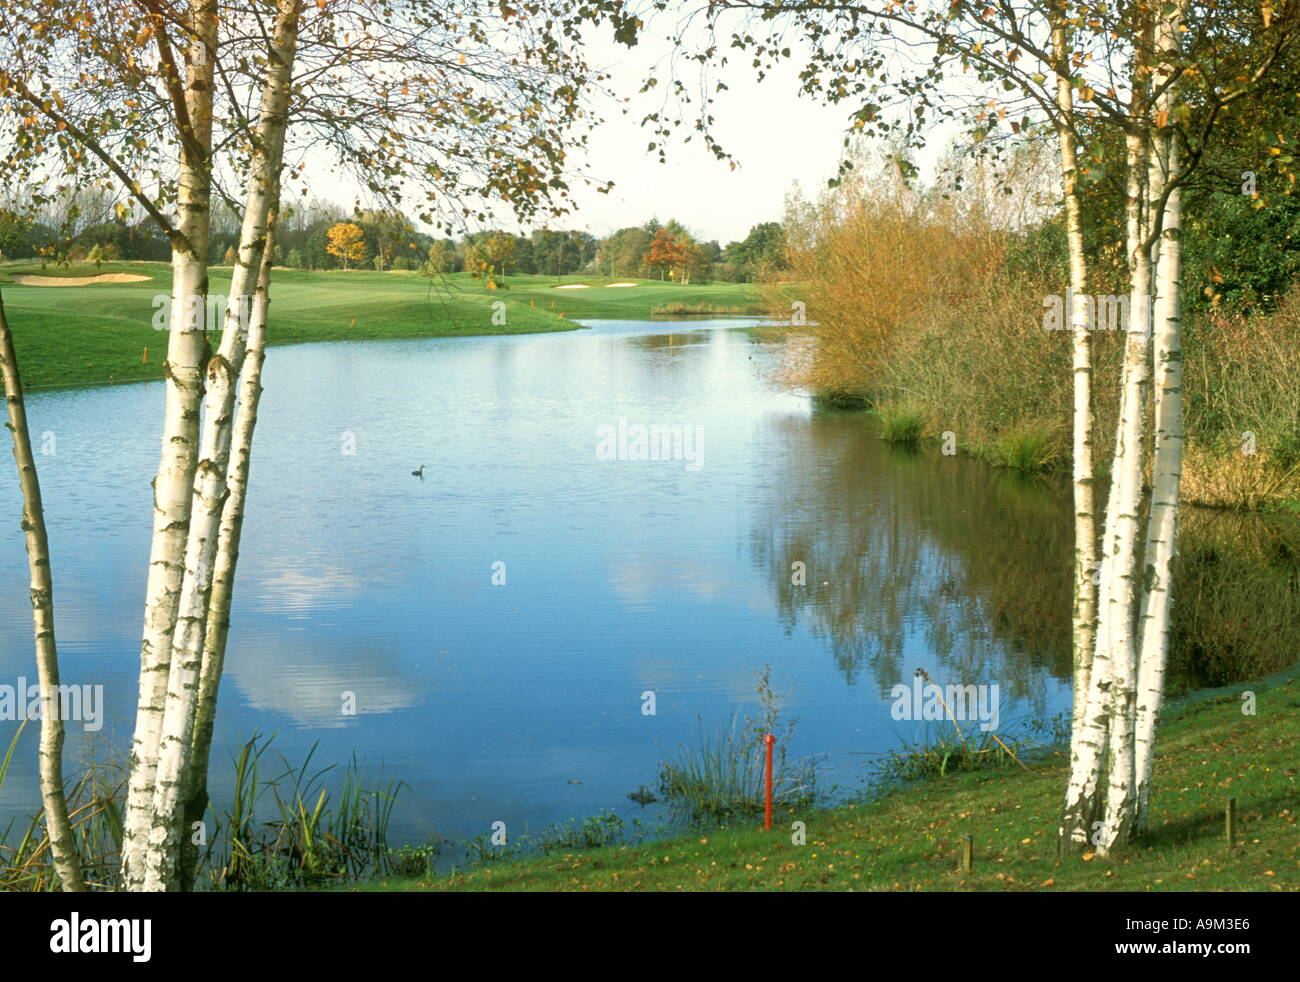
722	774
284	832
603	829
941	751
939	755
311	836
1027	447
900	424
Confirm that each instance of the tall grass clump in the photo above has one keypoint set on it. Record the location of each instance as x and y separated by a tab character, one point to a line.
900	424
1027	447
939	754
947	748
722	775
290	831
606	828
283	832
95	801
593	832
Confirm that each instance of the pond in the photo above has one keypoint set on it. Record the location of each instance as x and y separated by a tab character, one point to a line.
499	622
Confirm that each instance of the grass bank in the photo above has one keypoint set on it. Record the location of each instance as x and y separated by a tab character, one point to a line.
911	839
101	333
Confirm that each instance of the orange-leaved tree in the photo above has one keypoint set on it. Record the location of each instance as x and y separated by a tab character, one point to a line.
666	252
346	241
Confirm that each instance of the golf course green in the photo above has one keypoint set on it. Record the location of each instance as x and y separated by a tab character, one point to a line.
99	333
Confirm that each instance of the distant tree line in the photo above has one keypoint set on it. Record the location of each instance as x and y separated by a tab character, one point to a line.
669	251
387	240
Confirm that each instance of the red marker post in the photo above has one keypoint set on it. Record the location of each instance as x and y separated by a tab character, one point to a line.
769	740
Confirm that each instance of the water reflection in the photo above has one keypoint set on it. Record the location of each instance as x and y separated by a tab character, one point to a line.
899	544
622	575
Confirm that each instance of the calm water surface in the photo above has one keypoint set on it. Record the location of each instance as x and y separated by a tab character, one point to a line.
622	576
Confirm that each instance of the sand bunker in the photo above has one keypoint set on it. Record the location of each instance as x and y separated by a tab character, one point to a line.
79	280
620	284
574	286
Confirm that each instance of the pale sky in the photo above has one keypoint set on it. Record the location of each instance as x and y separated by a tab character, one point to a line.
777	138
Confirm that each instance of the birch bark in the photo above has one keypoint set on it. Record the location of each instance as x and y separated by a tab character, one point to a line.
1123	526
182	373
1102	750
1085	533
63	843
175	744
223	574
1162	521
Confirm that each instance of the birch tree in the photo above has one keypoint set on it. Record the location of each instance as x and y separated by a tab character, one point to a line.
506	113
1108	797
1085	541
1162	521
440	103
171	778
63	842
227	557
182	372
104	96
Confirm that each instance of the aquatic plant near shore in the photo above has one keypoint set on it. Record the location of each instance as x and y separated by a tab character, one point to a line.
722	774
307	835
900	424
1027	447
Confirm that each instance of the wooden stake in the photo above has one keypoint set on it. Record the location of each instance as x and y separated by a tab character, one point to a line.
967	854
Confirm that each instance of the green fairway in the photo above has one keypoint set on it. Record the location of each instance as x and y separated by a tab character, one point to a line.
97	334
1209	751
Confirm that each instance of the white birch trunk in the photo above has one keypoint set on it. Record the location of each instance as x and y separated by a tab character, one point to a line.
1162	522
1085	534
223	574
1123	527
175	745
1101	753
173	485
63	843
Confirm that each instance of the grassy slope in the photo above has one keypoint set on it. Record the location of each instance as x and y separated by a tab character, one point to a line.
95	334
911	839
